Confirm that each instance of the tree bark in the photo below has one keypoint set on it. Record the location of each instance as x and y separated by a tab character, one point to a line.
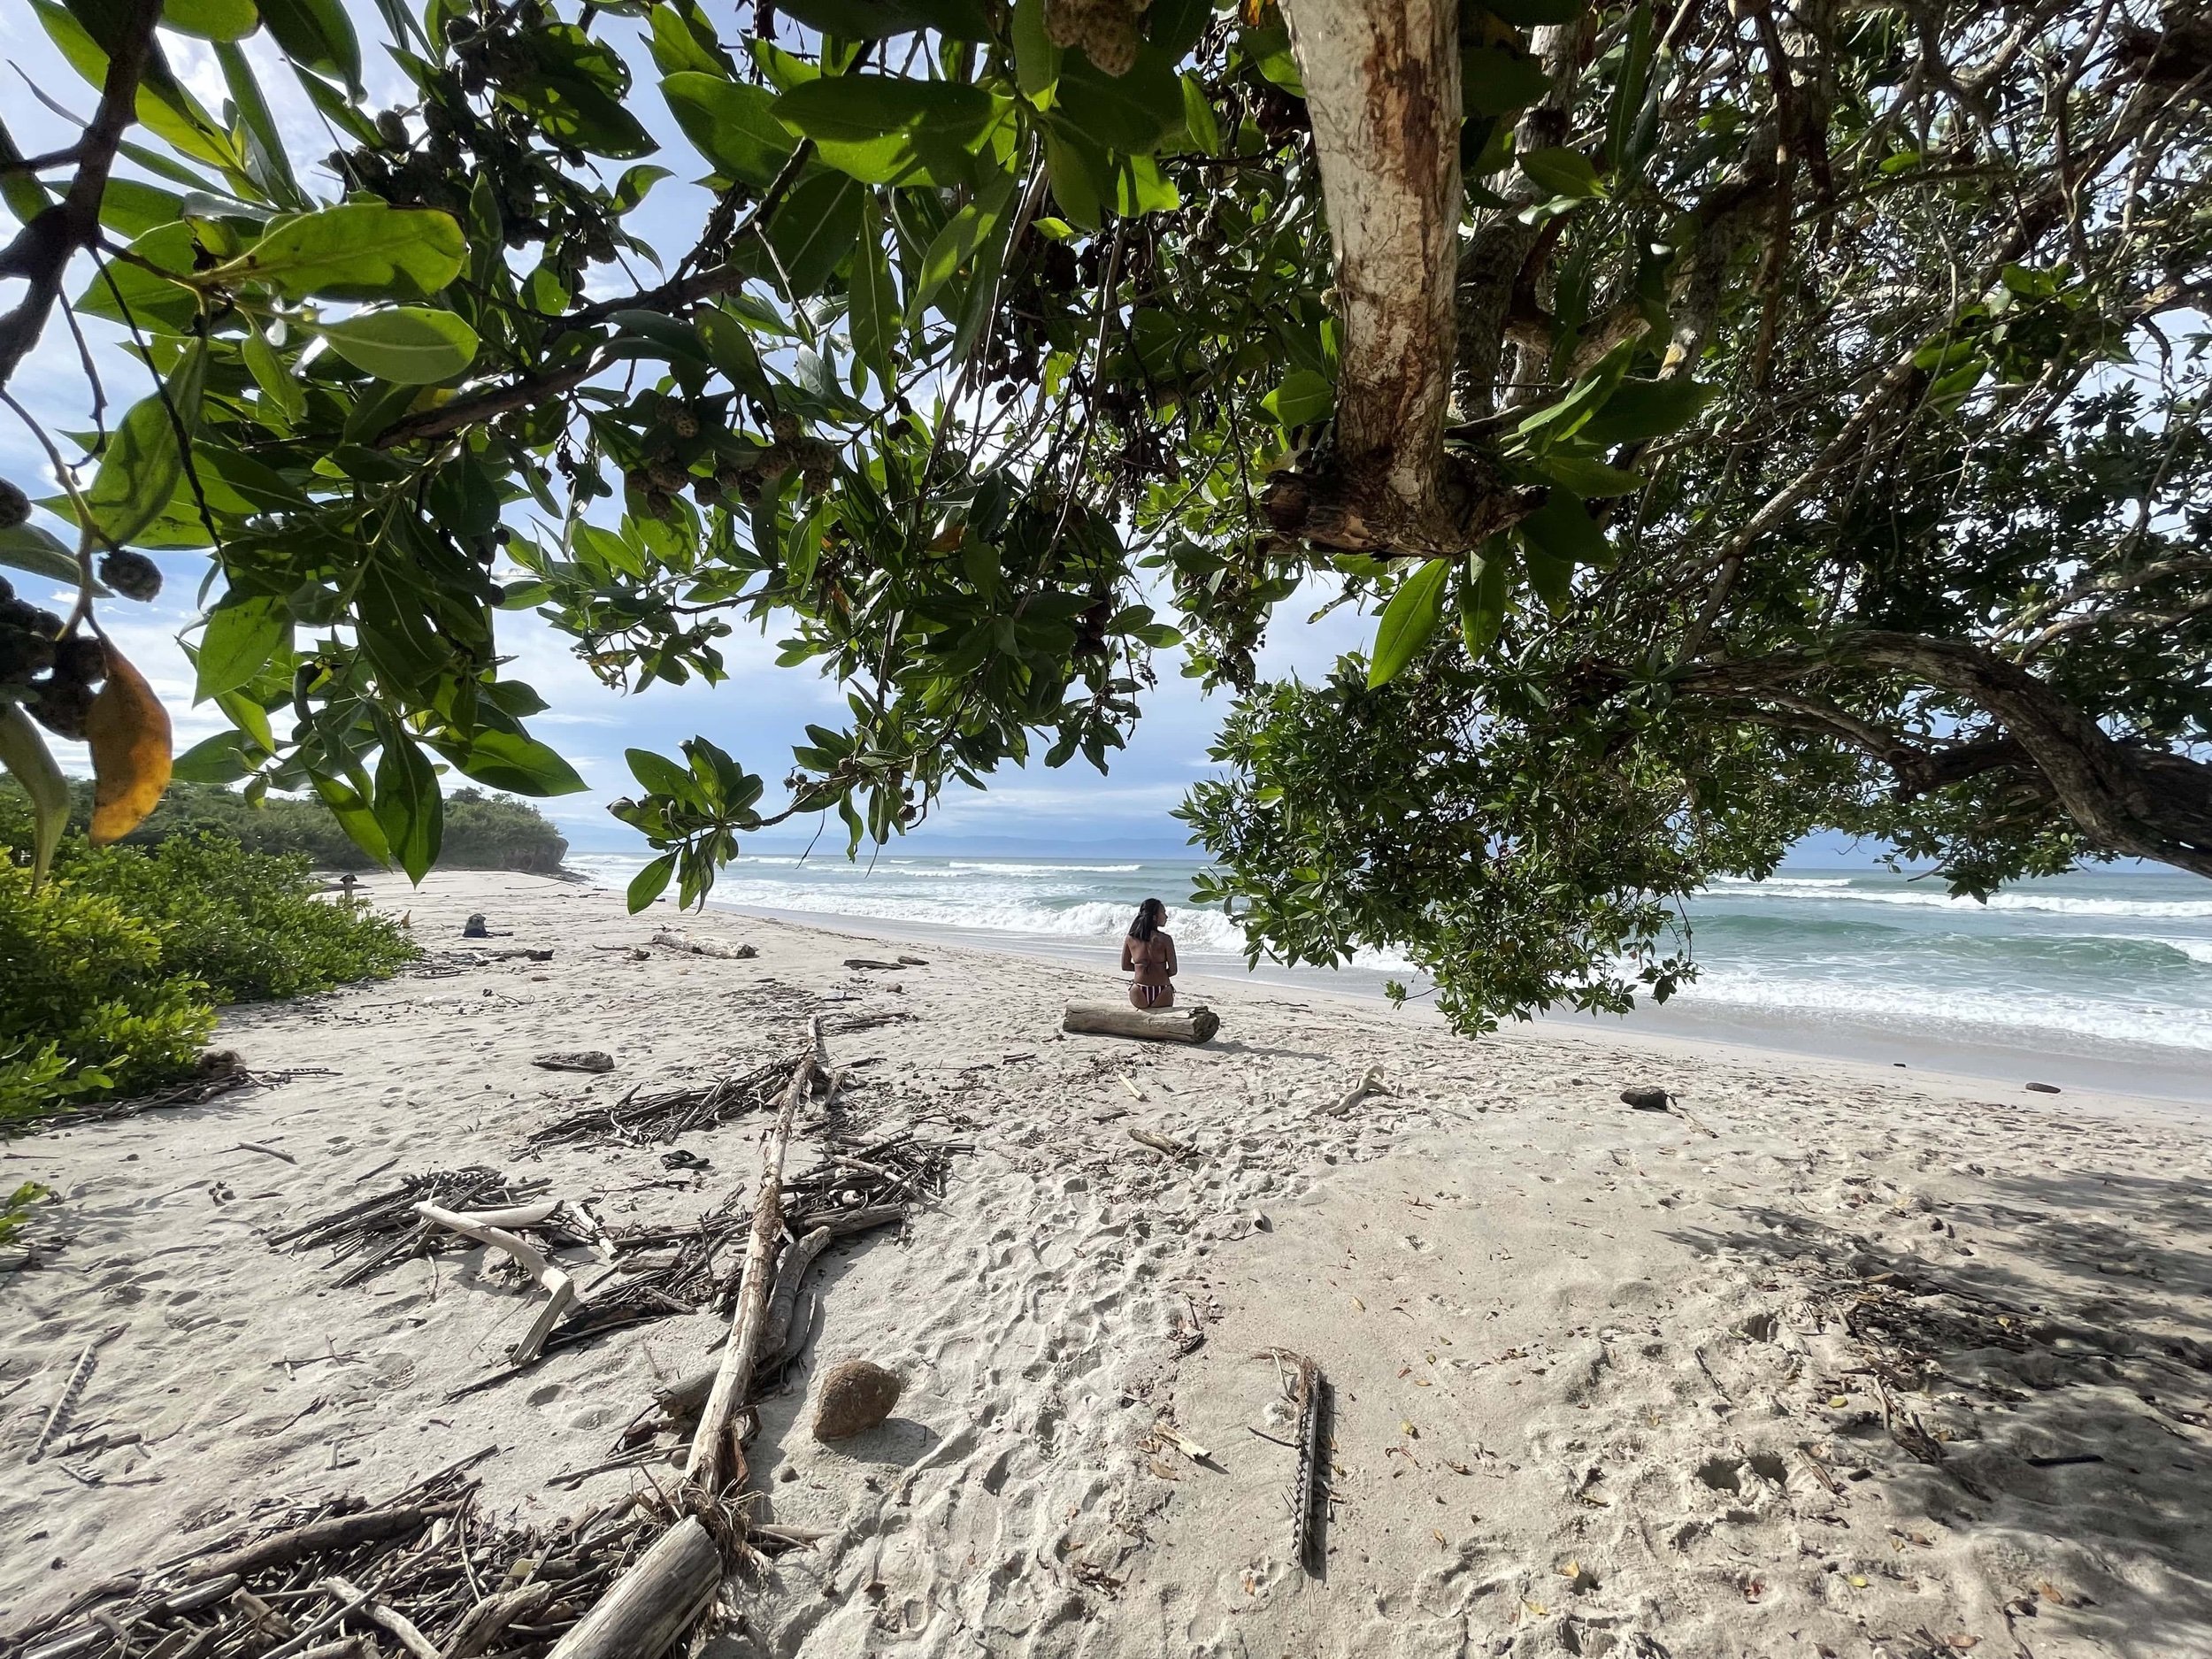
1382	93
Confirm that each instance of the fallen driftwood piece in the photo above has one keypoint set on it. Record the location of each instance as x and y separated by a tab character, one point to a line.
1158	1142
721	949
1195	1024
576	1060
715	1459
384	1616
1310	1507
652	1604
784	1300
316	1538
1659	1100
481	1228
1370	1083
79	1374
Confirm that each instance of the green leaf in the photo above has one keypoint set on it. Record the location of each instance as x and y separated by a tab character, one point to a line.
27	548
1037	61
1551	576
733	126
889	129
25	757
1588	477
1077	170
355	815
127	288
875	314
1482	599
1648	409
242	635
278	384
216	759
140	472
515	763
1410	621
1558	421
1131	112
1499	80
651	882
1562	172
411	345
1199	120
211	19
814	230
660	775
359	251
1302	398
955	245
316	35
1140	188
409	808
1563	528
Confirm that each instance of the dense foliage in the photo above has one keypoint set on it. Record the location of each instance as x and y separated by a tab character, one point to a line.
1747	419
112	968
483	831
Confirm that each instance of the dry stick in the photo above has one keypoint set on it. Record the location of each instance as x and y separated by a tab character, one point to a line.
714	1450
1306	1513
562	1287
333	1533
1168	1144
79	1374
1676	1108
1371	1083
785	1297
387	1618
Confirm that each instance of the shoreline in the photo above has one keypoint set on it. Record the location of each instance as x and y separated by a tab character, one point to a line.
1835	1356
1978	1067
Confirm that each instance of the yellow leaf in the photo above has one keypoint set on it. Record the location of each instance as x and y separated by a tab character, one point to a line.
1858	1581
128	731
1569	1570
1836	1402
1537	1609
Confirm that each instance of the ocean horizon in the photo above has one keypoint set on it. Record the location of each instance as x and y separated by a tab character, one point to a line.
2101	980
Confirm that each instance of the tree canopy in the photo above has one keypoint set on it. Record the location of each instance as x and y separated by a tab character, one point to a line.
1743	420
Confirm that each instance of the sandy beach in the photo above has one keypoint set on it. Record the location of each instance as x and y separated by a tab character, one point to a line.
1831	1361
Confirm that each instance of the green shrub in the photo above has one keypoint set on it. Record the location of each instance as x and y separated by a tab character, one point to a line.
249	926
86	1005
109	972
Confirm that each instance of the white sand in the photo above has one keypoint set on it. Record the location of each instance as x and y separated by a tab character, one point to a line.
1594	1371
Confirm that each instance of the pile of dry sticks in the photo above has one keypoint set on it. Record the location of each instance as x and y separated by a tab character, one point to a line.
420	1574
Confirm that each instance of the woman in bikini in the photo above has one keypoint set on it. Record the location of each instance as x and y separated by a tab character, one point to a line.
1149	954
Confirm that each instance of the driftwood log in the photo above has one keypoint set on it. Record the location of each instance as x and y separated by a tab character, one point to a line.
1195	1024
652	1604
715	1458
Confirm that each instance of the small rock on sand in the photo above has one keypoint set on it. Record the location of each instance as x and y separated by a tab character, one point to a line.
1646	1099
855	1397
2044	1088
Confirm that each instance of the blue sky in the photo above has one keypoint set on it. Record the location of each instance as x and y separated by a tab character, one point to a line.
759	711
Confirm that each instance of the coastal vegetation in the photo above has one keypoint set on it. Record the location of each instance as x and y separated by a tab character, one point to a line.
1743	421
117	960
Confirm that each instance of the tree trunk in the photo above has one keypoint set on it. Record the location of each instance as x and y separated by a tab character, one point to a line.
1195	1024
1382	92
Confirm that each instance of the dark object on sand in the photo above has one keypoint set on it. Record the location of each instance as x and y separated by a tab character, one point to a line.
855	1397
579	1060
1195	1024
474	928
1647	1099
2044	1088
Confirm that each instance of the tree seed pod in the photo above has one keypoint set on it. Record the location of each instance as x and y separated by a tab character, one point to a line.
684	424
80	658
62	707
668	479
784	428
133	575
15	506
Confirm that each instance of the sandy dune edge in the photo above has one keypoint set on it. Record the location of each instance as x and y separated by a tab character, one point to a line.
1879	1367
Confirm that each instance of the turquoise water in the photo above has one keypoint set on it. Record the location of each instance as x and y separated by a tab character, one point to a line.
2102	968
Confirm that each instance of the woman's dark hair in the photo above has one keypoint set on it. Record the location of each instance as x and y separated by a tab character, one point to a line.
1150	914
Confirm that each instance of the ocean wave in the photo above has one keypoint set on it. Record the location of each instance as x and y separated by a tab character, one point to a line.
1964	1013
1025	868
1805	889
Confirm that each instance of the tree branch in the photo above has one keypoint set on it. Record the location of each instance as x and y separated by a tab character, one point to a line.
43	249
